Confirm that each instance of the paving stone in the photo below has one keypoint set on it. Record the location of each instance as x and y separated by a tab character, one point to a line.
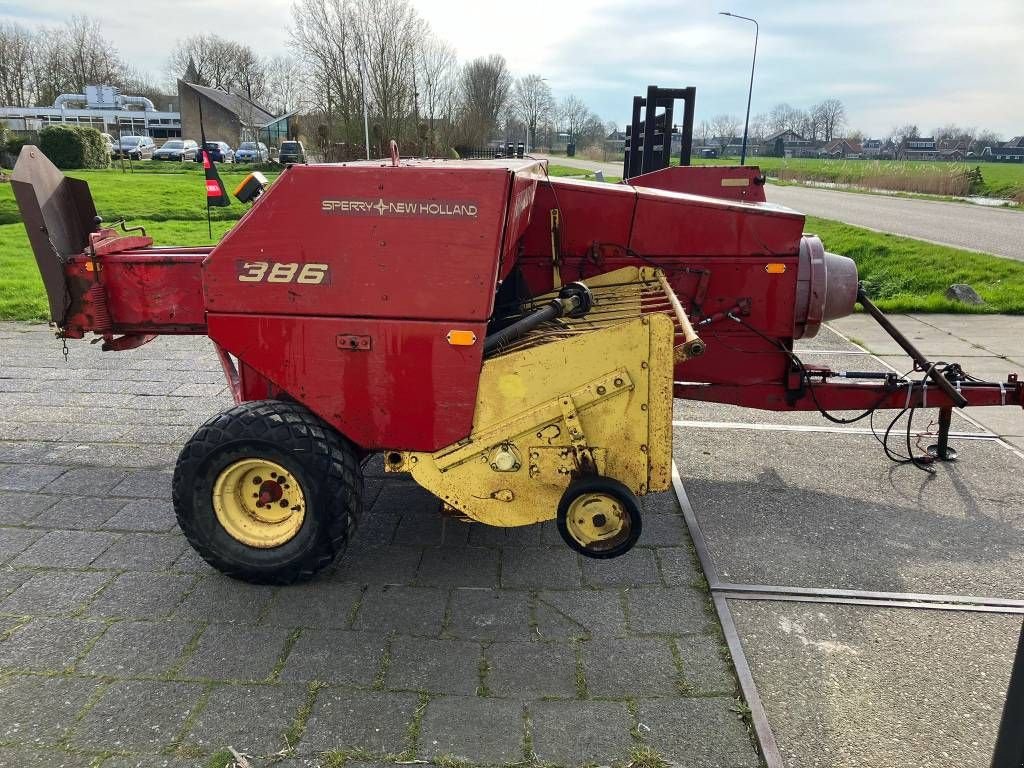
222	599
531	670
153	484
11	579
14	541
20	757
138	648
236	652
632	569
141	595
428	527
54	593
86	482
581	613
490	614
24	452
323	605
436	666
154	761
251	718
78	513
137	715
663	530
65	549
335	656
14	477
577	733
20	508
39	710
377	565
143	552
46	644
376	529
539	568
678	566
191	562
704	668
345	720
630	667
488	731
667	610
410	610
703	732
144	515
505	538
459	567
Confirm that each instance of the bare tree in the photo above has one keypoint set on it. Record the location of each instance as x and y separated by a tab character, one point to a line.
438	88
212	60
486	87
830	116
285	84
17	84
986	138
250	74
89	57
784	117
724	127
573	114
533	103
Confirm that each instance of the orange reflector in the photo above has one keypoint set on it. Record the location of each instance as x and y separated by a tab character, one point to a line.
461	338
775	268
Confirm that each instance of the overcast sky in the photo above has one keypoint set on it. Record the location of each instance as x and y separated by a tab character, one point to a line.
890	61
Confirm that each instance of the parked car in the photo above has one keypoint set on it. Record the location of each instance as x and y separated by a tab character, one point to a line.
177	149
252	152
135	147
219	152
291	152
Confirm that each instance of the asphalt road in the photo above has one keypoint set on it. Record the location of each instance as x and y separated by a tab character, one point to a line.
974	227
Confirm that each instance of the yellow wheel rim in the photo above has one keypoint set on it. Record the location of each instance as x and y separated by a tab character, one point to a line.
597	521
259	503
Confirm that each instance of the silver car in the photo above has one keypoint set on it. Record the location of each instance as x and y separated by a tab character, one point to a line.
252	152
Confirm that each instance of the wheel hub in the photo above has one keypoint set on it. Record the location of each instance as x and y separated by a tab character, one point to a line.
259	503
597	521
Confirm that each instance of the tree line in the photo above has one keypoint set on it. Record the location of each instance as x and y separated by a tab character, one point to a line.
343	53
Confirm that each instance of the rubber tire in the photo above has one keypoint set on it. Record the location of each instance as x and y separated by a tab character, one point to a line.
324	462
606	485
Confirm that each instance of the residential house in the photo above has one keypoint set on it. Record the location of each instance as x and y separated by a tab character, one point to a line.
878	149
1008	152
953	150
918	148
788	144
843	149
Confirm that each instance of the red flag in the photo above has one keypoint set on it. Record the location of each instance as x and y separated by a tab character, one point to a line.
216	195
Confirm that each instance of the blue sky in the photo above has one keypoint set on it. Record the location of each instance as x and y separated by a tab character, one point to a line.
890	61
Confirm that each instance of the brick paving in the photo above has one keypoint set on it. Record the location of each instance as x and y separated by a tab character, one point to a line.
430	640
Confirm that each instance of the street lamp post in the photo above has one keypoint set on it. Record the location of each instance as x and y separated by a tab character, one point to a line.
750	92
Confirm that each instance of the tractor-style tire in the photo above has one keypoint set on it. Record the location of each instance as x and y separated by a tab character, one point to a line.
232	464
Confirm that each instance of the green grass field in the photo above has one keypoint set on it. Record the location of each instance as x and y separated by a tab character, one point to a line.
1005	180
901	273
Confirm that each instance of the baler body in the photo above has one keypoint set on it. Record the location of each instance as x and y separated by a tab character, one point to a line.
374	296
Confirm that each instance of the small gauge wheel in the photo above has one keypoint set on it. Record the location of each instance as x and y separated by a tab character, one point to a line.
599	517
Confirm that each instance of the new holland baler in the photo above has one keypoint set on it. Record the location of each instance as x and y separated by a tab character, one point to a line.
512	341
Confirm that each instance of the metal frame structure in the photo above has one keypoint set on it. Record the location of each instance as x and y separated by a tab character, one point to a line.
647	149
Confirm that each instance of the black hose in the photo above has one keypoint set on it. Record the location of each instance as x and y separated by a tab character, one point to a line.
549	311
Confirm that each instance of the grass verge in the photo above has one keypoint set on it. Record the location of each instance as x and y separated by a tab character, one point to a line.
906	275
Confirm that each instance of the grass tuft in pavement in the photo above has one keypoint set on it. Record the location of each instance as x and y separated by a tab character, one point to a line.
643	756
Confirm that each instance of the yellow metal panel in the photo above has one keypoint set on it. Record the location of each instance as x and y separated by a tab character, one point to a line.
614	384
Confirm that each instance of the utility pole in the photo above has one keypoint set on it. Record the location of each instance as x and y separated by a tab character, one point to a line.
750	92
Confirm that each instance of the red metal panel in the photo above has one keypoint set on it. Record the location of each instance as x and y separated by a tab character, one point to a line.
150	291
737	182
670	223
417	241
410	390
524	188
